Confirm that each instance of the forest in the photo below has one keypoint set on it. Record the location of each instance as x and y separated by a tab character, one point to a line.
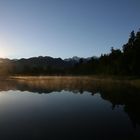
118	62
121	62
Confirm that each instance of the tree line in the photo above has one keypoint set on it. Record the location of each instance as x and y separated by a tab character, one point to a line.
124	61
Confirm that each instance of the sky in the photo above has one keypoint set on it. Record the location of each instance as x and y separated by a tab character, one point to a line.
65	28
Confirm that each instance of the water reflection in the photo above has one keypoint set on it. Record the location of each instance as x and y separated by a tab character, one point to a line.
119	95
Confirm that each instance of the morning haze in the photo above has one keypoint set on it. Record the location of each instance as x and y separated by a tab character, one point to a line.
69	69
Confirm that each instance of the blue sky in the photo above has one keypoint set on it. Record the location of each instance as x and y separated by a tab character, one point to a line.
65	28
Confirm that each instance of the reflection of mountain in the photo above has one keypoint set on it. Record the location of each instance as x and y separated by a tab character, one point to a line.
115	92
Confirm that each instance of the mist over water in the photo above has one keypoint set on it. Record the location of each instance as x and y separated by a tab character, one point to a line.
68	108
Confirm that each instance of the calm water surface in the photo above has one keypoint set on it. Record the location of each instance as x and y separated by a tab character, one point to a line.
68	109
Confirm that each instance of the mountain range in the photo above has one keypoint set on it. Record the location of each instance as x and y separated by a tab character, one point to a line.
40	64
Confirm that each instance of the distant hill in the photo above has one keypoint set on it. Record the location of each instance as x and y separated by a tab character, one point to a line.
38	65
125	61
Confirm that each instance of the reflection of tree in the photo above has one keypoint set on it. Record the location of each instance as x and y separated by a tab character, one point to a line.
127	96
115	92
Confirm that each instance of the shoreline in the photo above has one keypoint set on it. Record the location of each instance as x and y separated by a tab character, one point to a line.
109	79
99	77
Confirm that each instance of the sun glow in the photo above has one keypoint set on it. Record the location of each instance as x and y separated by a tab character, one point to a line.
2	54
4	51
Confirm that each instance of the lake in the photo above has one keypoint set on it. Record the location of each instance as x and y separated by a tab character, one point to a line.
68	108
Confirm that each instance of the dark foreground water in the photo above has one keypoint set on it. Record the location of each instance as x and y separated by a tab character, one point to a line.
68	109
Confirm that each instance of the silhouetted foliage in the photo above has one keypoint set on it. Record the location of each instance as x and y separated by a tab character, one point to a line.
117	62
